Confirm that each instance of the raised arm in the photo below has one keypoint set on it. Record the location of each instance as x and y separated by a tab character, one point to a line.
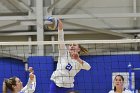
31	85
62	47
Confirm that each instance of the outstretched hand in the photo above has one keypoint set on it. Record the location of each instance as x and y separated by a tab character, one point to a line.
60	25
74	55
31	75
30	69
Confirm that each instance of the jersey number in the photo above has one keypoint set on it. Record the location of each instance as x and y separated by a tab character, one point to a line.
69	67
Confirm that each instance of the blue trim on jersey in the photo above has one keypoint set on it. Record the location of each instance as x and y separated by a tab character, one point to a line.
56	89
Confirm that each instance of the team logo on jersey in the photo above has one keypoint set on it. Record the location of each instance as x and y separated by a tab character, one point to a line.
31	85
69	67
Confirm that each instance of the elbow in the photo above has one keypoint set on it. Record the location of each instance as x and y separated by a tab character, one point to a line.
88	68
32	91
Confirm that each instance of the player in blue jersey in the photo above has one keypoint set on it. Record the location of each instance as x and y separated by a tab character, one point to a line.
118	85
14	84
69	64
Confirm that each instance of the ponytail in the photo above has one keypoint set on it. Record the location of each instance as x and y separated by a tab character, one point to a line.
83	50
8	84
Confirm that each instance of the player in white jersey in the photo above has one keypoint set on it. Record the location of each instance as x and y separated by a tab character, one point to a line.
14	84
124	91
69	64
118	85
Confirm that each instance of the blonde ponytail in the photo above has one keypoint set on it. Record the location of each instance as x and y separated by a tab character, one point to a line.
83	50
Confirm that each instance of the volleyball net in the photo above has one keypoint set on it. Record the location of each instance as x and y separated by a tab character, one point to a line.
106	57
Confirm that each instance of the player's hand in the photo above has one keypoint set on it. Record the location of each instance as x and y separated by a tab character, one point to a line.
31	69
31	75
60	25
74	55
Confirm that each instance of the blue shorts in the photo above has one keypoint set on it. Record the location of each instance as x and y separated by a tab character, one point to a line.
56	89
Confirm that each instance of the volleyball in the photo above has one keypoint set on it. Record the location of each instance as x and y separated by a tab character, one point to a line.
53	23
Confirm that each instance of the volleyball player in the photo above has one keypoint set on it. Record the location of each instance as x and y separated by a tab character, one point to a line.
119	85
69	64
14	84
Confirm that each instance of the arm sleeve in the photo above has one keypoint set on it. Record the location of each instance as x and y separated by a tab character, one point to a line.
30	87
85	66
62	47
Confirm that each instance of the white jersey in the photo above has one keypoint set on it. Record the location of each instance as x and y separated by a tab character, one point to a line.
30	87
67	68
125	91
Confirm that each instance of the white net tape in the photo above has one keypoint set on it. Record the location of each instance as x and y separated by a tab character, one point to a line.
73	41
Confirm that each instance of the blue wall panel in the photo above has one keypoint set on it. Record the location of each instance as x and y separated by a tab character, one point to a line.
99	78
43	66
10	67
96	80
